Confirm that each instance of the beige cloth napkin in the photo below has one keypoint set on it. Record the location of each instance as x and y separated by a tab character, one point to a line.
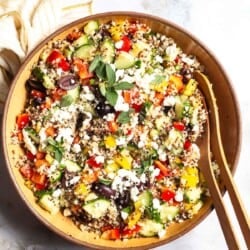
24	23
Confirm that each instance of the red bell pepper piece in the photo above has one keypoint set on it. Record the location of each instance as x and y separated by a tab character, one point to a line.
93	163
39	179
22	120
82	69
126	44
187	144
179	126
167	195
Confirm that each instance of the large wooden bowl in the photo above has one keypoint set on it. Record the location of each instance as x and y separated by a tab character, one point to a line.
229	118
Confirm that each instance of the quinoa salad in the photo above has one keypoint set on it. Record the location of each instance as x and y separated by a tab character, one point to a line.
109	130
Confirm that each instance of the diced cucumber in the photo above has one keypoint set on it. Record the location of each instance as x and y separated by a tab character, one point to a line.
32	134
90	197
124	60
86	52
97	208
55	176
71	97
108	51
144	200
196	207
48	83
192	195
91	27
71	166
82	40
29	144
150	228
168	213
49	203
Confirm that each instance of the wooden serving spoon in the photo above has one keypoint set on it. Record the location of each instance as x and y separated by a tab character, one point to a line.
206	167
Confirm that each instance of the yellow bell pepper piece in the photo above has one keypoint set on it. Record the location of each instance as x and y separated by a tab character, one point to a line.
124	161
176	81
134	218
190	87
190	177
81	190
49	158
111	168
117	30
110	142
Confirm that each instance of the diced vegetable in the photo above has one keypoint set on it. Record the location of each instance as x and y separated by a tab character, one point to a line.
124	60
97	208
108	51
91	27
71	166
149	228
85	52
168	213
49	203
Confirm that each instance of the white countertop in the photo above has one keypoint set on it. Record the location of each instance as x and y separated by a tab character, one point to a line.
224	27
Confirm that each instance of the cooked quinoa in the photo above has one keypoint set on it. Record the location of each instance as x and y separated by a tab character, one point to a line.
109	130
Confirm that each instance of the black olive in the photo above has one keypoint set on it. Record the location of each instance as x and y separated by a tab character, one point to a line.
96	91
67	82
166	109
186	73
80	118
103	190
123	200
37	101
103	109
35	84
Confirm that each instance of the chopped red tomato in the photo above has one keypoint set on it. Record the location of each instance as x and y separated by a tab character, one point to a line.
57	59
22	120
26	171
93	163
179	126
40	155
160	176
30	156
112	126
167	195
187	144
126	44
64	65
136	107
128	233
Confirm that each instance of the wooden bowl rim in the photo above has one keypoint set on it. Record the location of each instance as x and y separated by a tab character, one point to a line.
106	15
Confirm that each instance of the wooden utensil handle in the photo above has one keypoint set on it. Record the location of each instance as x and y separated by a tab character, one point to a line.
226	225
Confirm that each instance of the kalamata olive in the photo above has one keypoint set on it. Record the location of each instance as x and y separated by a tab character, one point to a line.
80	118
186	73
67	82
37	101
35	84
166	109
123	200
97	93
103	109
104	190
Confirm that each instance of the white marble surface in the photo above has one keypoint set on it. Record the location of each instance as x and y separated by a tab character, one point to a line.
224	26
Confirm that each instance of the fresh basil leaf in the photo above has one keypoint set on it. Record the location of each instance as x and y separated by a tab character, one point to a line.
58	155
95	63
124	86
124	117
102	88
110	73
138	64
153	214
100	71
111	96
66	100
